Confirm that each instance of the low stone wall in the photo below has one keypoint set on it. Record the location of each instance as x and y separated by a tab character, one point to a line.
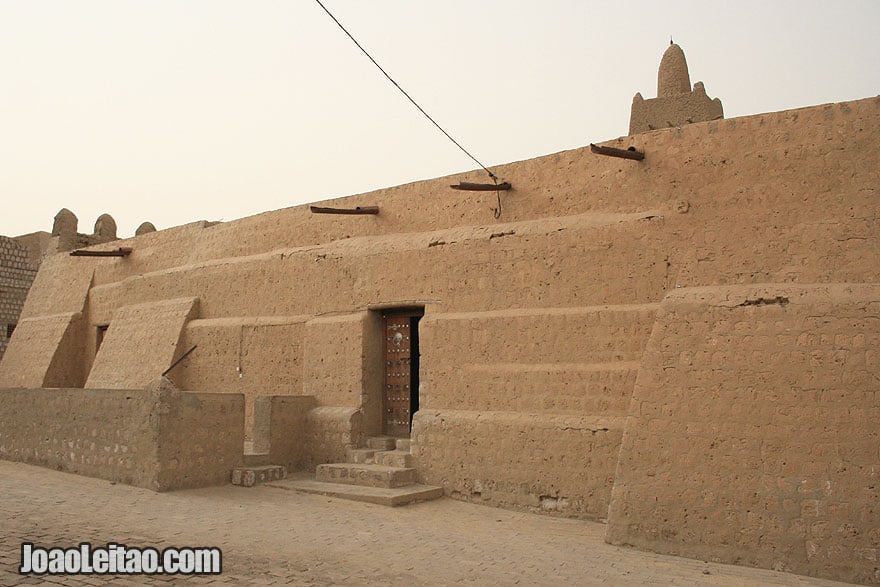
201	438
288	429
550	463
752	436
299	434
157	438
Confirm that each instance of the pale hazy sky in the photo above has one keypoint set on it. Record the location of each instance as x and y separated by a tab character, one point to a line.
179	110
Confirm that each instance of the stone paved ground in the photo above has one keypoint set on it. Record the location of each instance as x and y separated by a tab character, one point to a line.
270	536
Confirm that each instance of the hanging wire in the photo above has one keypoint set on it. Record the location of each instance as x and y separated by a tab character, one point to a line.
402	91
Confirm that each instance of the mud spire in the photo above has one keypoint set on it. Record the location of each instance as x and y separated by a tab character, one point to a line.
673	77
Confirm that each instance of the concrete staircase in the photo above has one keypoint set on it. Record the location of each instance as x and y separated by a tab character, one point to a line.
380	473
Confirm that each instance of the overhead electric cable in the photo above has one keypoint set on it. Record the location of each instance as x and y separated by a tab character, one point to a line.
402	91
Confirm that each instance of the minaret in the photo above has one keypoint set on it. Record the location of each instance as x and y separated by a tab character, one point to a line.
673	78
676	103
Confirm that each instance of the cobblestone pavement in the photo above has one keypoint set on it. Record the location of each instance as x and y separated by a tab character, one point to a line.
271	536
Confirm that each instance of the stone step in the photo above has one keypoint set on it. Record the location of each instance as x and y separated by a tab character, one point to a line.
382	442
404	444
393	458
250	476
366	475
360	455
379	495
256	459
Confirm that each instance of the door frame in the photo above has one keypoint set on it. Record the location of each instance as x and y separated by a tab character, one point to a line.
415	314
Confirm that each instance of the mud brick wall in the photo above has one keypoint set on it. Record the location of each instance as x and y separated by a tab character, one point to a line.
752	436
555	360
141	343
96	432
16	275
329	431
52	327
49	354
64	284
554	464
200	438
254	356
457	265
787	197
38	246
743	200
524	408
334	359
153	439
287	429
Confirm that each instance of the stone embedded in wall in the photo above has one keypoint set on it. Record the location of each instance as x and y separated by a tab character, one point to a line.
676	104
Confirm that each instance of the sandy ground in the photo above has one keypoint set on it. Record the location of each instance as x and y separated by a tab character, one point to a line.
270	536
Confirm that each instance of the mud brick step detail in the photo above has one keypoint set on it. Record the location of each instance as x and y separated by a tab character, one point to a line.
250	476
366	475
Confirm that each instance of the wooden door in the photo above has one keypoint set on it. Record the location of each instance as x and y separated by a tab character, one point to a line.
401	371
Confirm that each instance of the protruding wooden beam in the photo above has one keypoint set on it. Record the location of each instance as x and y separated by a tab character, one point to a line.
357	210
177	362
120	252
630	153
482	187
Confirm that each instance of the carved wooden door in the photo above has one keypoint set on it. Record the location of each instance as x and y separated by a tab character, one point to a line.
401	372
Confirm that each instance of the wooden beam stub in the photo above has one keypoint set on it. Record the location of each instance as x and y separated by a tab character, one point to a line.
630	153
356	210
120	252
482	187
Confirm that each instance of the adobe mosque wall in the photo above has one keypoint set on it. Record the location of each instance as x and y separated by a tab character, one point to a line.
752	436
684	346
21	256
